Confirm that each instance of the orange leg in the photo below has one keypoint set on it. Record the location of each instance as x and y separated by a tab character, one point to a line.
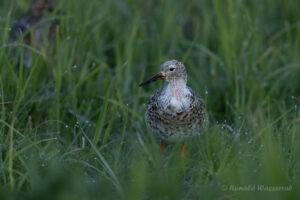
162	146
183	149
182	156
163	149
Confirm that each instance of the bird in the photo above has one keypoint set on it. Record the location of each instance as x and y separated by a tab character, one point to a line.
175	112
37	21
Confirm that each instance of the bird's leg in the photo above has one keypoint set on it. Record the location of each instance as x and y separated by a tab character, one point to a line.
163	149
182	156
183	149
162	146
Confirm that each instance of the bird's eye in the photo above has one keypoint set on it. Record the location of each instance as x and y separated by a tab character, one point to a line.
172	69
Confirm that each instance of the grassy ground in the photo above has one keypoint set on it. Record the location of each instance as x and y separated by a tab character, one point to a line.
72	126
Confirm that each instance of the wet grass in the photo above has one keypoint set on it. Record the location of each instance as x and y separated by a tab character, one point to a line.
72	126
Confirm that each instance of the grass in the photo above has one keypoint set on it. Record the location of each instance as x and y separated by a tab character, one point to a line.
72	126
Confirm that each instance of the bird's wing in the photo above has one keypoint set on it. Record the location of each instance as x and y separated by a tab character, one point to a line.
197	103
153	102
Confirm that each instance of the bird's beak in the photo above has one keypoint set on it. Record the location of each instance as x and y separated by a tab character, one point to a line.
158	76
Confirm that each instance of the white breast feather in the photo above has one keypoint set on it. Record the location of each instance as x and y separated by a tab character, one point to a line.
177	98
176	103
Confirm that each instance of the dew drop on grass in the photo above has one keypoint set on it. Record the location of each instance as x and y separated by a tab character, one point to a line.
67	126
43	164
206	92
74	66
264	84
229	127
91	180
83	142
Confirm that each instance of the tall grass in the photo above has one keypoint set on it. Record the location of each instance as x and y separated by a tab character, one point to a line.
72	125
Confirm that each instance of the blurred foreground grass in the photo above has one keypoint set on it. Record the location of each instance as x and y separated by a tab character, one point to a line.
72	126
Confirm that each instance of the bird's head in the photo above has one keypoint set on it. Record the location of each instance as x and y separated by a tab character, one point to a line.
171	71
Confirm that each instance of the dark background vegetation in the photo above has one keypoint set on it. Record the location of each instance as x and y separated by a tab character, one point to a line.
72	126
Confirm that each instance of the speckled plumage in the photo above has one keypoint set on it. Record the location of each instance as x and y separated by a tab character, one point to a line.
175	112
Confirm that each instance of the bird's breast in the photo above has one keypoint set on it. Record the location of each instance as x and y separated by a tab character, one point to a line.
176	98
178	104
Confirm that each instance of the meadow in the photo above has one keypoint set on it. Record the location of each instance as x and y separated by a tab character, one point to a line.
72	126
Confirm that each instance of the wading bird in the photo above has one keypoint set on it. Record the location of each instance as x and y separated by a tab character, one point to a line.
175	112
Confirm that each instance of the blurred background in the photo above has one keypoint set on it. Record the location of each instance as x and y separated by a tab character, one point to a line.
72	114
